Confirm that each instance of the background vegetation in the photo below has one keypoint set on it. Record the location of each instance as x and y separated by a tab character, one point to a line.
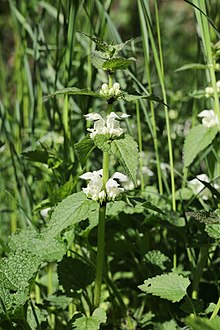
43	48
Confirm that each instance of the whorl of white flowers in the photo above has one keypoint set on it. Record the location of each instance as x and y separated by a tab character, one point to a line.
209	91
109	127
209	118
114	91
95	189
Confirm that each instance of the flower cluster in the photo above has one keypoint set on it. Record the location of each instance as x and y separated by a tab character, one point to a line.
95	189
109	127
209	91
199	188
209	118
113	91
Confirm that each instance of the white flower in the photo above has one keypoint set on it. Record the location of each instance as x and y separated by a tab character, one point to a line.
209	118
94	188
109	127
199	188
113	91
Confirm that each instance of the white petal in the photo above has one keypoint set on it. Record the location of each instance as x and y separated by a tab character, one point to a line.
124	115
93	116
120	176
112	115
206	113
86	176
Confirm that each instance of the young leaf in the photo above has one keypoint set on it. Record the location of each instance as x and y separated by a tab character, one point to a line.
116	63
197	140
98	58
41	156
126	150
83	149
102	142
169	286
90	323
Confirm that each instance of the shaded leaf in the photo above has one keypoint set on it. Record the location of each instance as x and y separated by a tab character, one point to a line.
98	58
156	258
36	155
194	66
169	286
74	274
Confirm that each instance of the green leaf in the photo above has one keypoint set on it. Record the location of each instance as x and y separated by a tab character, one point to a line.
194	66
102	142
101	44
116	63
74	91
16	273
213	231
168	325
126	150
33	242
91	323
70	211
135	97
150	206
202	323
75	274
198	138
156	258
36	155
83	149
169	286
98	58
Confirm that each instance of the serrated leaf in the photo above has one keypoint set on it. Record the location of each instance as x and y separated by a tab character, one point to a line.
98	58
169	286
102	142
16	274
205	217
202	323
168	325
74	91
193	66
213	231
70	272
150	206
70	211
126	150
33	242
198	138
116	63
157	258
83	149
101	44
90	323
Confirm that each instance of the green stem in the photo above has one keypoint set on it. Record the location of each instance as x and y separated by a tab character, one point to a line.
101	236
100	256
215	312
140	143
203	255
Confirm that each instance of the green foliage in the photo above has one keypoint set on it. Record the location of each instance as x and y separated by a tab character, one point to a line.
126	150
70	272
83	149
90	323
196	141
156	258
16	276
200	323
118	63
167	286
